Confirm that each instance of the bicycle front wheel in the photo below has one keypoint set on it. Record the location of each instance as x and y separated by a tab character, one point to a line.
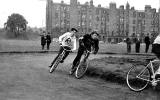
55	64
138	78
81	69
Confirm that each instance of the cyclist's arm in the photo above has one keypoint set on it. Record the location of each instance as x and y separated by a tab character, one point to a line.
62	36
80	41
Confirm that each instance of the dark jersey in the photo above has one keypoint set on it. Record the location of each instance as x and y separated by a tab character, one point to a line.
89	43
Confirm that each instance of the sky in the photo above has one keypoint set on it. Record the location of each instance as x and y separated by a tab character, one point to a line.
34	11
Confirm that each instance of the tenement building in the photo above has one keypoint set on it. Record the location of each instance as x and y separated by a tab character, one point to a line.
113	24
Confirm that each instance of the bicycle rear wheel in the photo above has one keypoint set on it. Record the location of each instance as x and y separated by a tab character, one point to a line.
81	69
138	78
55	64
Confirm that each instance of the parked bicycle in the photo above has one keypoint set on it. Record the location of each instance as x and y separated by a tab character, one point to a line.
59	58
139	76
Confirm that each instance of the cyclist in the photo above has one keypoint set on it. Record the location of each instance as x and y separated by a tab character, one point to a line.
156	51
68	41
87	42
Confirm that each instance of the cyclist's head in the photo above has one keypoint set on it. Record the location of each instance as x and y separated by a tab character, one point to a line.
94	35
74	30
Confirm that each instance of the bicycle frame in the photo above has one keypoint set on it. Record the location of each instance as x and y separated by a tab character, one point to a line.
64	51
153	73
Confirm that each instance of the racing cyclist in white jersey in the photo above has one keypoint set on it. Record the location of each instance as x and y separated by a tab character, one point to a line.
68	41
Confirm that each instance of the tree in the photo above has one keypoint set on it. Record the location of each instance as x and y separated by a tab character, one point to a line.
15	24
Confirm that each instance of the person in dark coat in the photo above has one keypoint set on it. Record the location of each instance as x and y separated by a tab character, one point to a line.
147	42
43	40
128	41
138	42
48	40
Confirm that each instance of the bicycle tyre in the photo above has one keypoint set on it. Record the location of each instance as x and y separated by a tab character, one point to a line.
81	69
135	83
55	64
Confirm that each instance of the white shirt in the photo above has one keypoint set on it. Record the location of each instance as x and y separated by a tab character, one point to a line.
67	40
157	40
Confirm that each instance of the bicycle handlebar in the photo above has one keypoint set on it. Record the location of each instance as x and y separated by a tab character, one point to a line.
65	48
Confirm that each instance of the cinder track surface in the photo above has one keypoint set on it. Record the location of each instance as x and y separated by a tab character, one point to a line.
26	77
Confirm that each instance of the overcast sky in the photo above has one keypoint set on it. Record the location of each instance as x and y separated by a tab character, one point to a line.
34	10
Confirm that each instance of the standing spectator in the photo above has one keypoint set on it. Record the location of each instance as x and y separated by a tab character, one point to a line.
152	40
128	41
43	40
147	42
48	38
137	43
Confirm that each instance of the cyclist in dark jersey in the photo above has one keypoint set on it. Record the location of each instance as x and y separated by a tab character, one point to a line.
88	42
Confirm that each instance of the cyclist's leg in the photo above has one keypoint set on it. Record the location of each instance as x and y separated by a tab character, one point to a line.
77	59
158	70
60	51
66	54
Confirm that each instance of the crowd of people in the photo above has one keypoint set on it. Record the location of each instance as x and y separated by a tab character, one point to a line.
137	40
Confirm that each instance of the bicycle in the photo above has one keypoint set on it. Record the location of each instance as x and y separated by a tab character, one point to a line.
59	58
82	65
139	77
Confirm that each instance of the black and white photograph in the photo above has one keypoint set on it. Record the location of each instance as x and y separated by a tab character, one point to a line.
79	49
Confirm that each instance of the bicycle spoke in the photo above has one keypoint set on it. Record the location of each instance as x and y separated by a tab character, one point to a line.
138	78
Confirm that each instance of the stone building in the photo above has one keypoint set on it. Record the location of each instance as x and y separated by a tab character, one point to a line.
114	24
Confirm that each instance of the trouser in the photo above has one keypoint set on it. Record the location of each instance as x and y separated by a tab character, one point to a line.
78	57
128	48
60	51
43	47
137	47
147	47
48	44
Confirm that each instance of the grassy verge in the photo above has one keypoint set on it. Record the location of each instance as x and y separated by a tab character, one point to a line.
7	45
113	69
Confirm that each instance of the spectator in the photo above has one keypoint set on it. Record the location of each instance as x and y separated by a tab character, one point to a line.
48	39
147	42
128	41
137	43
43	40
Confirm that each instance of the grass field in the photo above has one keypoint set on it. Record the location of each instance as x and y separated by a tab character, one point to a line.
34	45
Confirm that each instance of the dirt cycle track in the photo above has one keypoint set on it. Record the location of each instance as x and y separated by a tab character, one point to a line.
26	77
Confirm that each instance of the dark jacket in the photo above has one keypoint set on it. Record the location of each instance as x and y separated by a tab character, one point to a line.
48	38
147	40
89	43
43	40
128	41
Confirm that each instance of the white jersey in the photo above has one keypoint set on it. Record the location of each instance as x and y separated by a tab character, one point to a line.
67	40
157	40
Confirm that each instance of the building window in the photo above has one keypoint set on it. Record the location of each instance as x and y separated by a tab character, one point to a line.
83	16
97	18
134	14
79	24
97	11
134	21
56	15
83	23
90	24
144	22
68	9
57	8
134	28
90	17
104	11
62	8
103	19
